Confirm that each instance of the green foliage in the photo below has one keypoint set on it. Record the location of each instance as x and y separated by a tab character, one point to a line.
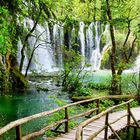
99	80
5	42
72	75
133	104
122	51
104	104
102	81
99	86
103	39
130	83
105	58
82	91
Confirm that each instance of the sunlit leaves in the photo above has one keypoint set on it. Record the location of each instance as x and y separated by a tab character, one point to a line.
5	42
125	11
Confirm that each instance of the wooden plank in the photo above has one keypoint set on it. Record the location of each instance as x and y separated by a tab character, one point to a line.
97	124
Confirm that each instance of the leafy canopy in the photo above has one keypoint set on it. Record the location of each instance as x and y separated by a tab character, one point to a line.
5	42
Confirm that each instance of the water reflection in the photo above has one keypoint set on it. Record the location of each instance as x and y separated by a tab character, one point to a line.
22	105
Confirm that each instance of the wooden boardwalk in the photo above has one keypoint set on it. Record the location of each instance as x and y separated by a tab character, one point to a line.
100	126
99	123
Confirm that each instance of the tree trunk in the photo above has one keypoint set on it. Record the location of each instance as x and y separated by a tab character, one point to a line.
10	76
115	84
3	76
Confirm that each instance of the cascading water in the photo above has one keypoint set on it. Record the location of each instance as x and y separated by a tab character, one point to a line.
40	41
58	42
93	51
48	47
43	52
90	46
82	40
106	33
72	38
48	53
136	67
95	54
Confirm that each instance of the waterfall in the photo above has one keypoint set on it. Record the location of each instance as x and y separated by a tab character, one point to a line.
136	67
89	41
48	53
95	52
40	41
82	40
137	63
58	42
72	38
43	52
94	42
108	42
48	49
98	36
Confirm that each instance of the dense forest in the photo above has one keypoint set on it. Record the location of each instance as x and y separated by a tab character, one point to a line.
123	17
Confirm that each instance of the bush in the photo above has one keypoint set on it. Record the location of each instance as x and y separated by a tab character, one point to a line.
82	92
99	86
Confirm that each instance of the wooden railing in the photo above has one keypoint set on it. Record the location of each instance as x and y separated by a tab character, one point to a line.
79	133
18	123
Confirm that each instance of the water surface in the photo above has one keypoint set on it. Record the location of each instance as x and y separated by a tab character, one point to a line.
13	107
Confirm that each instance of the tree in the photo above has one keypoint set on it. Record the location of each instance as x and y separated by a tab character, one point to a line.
11	12
120	63
10	76
136	82
73	74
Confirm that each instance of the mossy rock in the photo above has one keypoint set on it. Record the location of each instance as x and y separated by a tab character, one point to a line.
18	79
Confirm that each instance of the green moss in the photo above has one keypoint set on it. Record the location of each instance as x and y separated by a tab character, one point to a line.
18	80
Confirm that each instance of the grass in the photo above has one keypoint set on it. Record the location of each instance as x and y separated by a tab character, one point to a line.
101	80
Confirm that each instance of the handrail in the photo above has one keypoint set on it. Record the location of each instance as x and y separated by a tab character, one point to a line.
39	115
16	124
85	123
24	120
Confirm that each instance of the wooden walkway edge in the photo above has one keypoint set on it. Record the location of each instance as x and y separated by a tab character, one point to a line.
99	123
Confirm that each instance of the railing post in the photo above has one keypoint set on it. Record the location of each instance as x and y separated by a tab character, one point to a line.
18	133
79	134
128	116
97	106
67	122
106	124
